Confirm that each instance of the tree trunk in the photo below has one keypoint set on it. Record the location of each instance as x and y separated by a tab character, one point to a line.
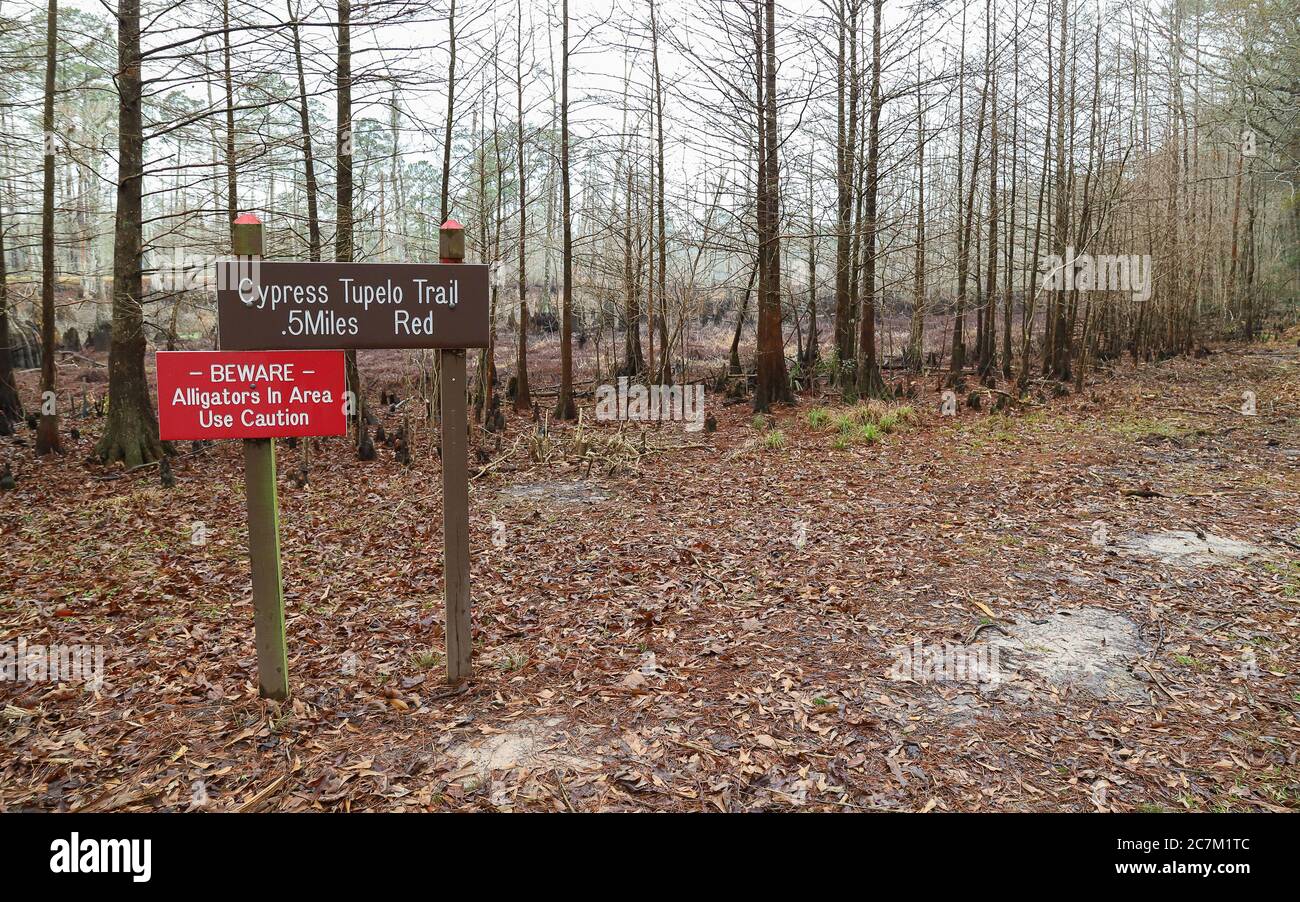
869	383
845	150
957	356
734	357
665	359
1007	303
772	383
47	434
11	405
1058	347
564	406
811	352
991	276
309	166
343	245
232	189
915	356
633	359
445	209
523	397
131	431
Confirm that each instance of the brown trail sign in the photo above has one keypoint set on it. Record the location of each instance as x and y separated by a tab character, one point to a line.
284	306
297	306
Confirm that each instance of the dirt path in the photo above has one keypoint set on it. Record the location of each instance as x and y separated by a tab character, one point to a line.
1113	578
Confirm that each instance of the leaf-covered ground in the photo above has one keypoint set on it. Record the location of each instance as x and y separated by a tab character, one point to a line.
713	626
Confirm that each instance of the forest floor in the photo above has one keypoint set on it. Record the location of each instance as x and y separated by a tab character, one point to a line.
719	624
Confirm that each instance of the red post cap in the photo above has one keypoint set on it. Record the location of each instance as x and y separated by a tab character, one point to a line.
246	236
451	242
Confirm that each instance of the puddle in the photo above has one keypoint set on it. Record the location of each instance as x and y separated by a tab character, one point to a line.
1188	548
556	492
1089	649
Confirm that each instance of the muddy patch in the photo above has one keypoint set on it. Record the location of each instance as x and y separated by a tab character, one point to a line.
1188	549
555	492
528	744
1087	649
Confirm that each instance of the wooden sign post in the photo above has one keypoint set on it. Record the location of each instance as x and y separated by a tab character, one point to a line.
311	305
264	555
263	524
455	484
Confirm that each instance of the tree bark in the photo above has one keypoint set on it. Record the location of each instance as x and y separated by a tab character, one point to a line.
845	151
991	275
11	405
344	249
915	356
565	409
309	165
47	433
633	359
523	397
232	188
869	383
131	431
772	383
1007	302
665	359
733	366
1058	346
445	208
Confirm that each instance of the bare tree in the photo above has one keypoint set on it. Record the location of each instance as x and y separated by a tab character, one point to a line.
523	397
771	383
47	435
565	409
131	431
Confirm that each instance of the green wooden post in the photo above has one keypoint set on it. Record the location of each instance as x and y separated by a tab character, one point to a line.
455	485
263	525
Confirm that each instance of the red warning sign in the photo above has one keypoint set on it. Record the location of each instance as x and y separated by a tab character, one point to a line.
251	394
